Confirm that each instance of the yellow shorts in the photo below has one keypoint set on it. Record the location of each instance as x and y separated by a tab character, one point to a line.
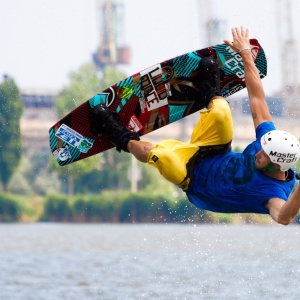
214	127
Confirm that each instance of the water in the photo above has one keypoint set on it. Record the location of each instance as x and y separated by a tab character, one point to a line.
98	261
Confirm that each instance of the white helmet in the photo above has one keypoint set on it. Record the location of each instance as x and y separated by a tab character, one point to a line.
282	147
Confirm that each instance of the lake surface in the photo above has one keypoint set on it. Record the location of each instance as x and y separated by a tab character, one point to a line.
147	261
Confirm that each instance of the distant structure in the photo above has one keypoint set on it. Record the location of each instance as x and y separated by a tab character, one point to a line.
38	116
112	49
289	56
36	98
212	30
275	104
215	31
288	46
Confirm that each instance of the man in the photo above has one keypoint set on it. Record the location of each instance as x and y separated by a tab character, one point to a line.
259	180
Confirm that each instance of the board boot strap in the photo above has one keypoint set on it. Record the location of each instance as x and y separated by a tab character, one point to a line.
106	123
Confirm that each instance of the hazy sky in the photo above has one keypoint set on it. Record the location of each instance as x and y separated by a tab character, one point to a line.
42	40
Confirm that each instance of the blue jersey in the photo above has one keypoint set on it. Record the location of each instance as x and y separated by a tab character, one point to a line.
230	183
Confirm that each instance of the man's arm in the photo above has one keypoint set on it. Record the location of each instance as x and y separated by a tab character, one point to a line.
283	212
258	105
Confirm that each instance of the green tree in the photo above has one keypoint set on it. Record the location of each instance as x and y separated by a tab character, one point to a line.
56	208
73	172
151	180
10	208
84	84
10	136
114	170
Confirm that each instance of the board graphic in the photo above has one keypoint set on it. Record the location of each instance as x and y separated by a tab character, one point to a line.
149	100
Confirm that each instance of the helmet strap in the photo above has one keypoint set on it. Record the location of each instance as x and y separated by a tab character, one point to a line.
270	168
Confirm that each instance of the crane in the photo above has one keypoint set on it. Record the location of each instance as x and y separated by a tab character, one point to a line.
111	49
211	28
288	46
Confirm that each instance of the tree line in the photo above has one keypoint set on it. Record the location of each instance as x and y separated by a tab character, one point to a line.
10	134
115	207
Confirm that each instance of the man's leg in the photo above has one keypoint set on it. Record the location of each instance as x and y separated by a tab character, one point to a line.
215	126
208	81
169	157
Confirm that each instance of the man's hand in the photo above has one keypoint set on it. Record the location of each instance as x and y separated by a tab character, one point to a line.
240	39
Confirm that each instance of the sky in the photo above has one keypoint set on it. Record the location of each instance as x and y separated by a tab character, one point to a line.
42	41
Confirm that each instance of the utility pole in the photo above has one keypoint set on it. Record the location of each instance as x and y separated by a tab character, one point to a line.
112	49
288	46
